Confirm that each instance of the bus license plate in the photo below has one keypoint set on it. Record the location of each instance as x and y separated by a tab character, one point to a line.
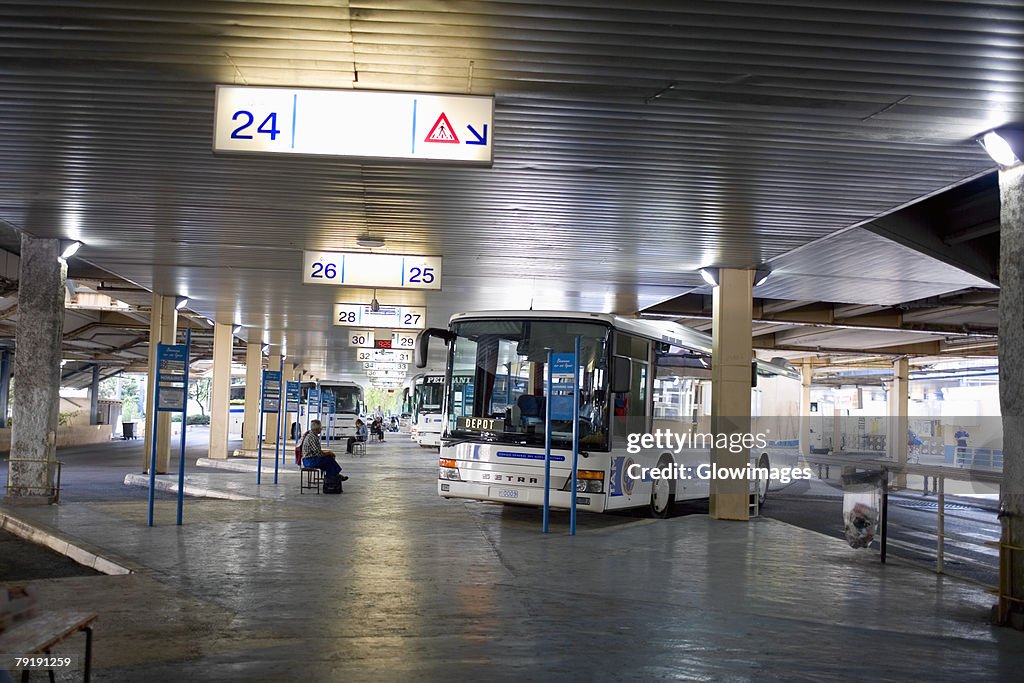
508	493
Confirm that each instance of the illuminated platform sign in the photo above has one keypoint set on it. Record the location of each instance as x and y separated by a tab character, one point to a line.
363	315
354	123
356	269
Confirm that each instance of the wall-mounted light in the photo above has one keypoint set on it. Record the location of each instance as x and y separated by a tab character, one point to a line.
710	276
761	276
374	304
1005	145
180	302
236	329
69	248
266	349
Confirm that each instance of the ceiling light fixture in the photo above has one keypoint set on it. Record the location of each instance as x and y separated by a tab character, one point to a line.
180	302
69	248
370	241
1005	145
710	276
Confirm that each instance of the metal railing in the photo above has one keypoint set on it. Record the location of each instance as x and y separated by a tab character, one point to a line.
945	542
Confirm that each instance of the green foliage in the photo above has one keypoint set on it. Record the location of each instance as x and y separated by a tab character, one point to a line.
199	391
65	418
392	402
192	419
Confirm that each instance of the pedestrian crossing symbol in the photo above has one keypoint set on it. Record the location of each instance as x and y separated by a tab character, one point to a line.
442	131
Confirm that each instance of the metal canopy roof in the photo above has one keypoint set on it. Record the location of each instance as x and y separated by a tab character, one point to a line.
633	143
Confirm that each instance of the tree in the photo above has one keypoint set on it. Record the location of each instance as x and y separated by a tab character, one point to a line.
199	391
377	396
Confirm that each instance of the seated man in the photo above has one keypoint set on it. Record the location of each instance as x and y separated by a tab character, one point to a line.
316	457
377	428
361	435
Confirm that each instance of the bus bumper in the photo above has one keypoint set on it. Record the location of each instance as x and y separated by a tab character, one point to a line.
517	495
429	438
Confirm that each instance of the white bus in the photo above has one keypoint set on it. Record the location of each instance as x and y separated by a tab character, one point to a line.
349	405
428	422
637	376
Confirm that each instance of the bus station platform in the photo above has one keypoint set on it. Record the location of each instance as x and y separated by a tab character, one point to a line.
390	582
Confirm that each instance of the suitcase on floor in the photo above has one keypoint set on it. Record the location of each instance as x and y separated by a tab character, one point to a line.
332	485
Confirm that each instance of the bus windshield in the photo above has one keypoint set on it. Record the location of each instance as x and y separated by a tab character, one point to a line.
346	398
497	371
429	393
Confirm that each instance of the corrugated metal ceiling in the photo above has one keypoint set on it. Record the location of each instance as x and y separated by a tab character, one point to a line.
633	142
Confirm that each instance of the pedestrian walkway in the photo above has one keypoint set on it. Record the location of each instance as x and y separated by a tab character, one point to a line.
389	582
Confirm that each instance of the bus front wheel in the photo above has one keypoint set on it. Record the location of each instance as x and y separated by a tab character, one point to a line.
661	494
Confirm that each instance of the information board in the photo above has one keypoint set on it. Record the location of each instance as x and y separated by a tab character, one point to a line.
362	315
354	123
271	391
170	377
359	269
563	379
292	392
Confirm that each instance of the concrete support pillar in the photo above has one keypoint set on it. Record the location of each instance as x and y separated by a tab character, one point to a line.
270	429
163	328
732	353
253	386
5	386
41	278
220	389
94	396
899	405
1011	381
806	375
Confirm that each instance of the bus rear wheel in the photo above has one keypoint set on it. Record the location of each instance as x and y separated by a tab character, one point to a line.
661	495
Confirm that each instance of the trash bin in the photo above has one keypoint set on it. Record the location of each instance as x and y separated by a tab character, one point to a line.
127	430
862	505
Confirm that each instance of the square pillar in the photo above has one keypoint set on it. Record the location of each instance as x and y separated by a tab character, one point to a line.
163	328
220	389
39	336
731	356
253	386
899	405
806	377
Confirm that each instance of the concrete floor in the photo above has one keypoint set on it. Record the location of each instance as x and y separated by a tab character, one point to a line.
388	582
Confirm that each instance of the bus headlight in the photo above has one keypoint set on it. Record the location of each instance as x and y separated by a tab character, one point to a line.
588	481
448	470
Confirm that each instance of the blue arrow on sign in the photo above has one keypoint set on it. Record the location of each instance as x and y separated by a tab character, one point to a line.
480	139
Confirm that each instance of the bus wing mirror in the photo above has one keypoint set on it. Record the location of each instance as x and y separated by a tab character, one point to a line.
622	375
423	343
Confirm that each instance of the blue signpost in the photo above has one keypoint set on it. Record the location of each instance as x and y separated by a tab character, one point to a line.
327	405
562	405
312	399
270	403
292	394
172	361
